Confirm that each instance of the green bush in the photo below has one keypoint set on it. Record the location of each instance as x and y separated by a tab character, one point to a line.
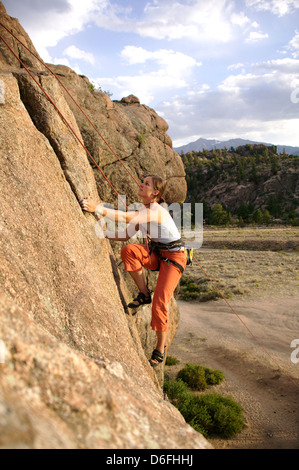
177	392
197	289
171	361
210	414
192	287
213	415
189	290
213	376
209	295
186	295
193	376
198	377
142	138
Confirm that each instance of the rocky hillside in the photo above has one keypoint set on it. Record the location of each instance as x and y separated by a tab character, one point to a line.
248	182
74	369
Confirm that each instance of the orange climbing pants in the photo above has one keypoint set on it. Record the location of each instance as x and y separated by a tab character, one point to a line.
137	256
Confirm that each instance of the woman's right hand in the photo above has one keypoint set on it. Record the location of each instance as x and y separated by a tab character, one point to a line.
88	204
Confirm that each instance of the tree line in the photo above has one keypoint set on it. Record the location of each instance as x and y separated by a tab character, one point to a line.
248	164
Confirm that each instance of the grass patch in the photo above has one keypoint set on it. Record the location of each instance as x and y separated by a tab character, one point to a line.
240	273
192	288
252	238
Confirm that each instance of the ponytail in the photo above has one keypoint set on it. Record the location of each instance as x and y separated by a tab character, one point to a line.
159	185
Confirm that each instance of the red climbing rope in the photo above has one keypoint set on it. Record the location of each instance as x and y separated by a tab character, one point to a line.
110	184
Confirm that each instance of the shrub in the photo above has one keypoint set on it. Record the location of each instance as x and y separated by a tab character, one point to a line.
194	376
91	87
192	287
177	392
214	415
197	289
142	138
213	376
189	290
186	295
171	361
198	377
209	294
210	414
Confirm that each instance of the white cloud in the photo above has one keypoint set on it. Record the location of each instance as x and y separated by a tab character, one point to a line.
74	53
293	45
146	86
240	19
171	60
255	36
282	132
277	7
252	98
163	70
235	83
237	66
49	22
284	67
61	61
195	19
257	105
135	55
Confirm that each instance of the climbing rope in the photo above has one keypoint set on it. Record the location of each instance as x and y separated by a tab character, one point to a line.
110	184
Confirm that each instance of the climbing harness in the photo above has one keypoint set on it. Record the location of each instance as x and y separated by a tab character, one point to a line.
157	247
189	252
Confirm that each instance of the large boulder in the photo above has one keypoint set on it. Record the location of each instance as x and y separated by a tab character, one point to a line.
135	135
75	371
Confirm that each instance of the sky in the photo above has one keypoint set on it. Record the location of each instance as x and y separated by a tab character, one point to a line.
217	69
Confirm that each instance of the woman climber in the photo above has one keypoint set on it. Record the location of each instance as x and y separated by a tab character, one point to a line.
165	253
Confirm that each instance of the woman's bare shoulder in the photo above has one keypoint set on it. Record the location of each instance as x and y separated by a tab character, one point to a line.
161	212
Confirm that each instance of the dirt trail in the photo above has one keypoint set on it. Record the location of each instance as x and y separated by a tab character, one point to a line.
211	335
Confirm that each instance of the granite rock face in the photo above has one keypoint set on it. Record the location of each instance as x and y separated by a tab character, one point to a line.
135	134
74	369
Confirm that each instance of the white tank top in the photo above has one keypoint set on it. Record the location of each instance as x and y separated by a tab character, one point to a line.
165	232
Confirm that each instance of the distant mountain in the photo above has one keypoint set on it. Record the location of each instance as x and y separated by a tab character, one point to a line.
209	144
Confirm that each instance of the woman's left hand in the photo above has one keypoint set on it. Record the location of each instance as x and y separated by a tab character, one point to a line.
88	205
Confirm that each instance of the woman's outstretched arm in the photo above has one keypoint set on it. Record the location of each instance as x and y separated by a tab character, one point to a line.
144	216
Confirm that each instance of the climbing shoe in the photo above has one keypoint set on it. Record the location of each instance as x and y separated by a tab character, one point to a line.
141	299
157	356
